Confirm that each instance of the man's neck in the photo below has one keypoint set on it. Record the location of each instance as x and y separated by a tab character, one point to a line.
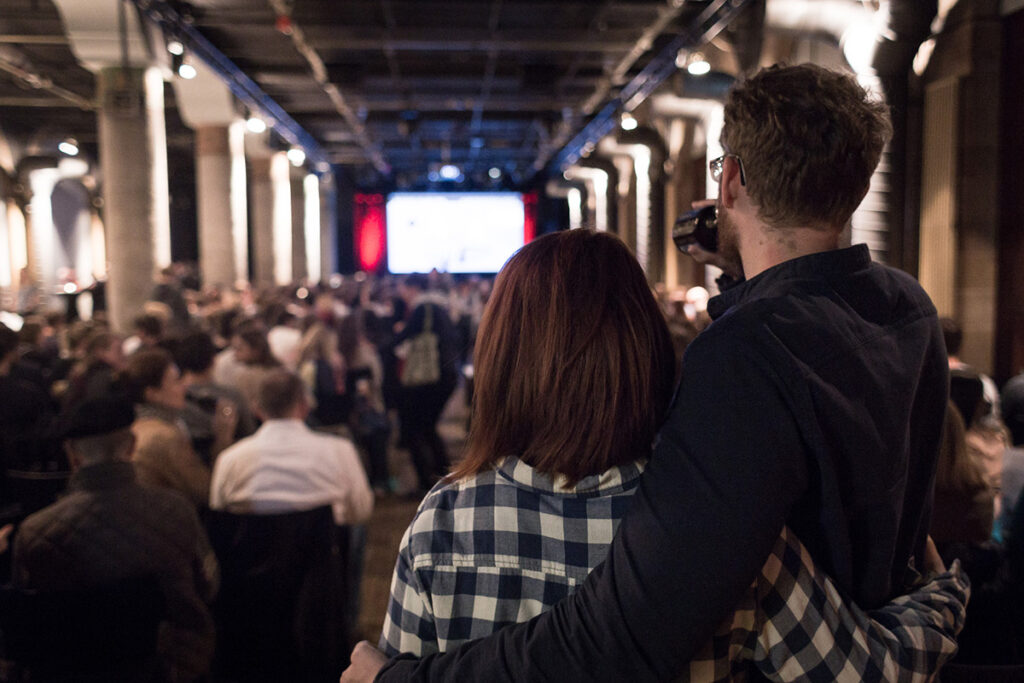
767	247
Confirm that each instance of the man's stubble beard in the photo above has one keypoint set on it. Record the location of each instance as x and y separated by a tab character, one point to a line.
728	240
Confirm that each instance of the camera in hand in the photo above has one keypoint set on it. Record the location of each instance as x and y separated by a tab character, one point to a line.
699	226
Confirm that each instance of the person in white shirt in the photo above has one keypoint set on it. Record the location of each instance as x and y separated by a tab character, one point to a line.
285	466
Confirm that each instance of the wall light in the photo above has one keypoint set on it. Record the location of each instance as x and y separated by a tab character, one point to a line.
698	65
68	146
296	156
449	172
187	71
175	47
255	124
628	122
494	173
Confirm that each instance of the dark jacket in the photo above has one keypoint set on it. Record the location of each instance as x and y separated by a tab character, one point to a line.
447	340
108	527
815	398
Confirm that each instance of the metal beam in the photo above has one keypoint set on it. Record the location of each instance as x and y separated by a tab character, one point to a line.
338	99
243	87
24	39
715	17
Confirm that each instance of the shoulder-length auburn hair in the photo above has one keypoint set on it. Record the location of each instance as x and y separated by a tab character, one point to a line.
573	365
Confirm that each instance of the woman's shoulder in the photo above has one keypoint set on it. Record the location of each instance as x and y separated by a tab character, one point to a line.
451	508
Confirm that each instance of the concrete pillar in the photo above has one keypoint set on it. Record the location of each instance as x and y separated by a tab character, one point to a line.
328	226
207	106
297	177
133	157
281	191
261	206
213	197
220	194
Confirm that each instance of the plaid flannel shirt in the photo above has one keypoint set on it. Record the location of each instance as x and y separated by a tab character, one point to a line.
507	544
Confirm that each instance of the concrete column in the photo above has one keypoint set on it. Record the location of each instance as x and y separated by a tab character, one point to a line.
133	157
297	178
328	226
220	193
213	197
261	205
282	215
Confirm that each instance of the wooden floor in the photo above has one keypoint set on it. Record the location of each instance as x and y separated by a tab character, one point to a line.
391	515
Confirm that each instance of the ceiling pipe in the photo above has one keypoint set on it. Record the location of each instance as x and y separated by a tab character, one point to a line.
708	24
244	88
14	63
319	69
746	36
823	18
666	15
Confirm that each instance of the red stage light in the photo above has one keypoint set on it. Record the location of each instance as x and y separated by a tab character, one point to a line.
370	231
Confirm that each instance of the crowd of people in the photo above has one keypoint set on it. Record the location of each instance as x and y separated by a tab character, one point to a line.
815	496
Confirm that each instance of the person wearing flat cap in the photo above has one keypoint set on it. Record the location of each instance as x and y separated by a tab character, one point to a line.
109	527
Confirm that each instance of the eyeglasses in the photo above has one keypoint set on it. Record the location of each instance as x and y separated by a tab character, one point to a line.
716	166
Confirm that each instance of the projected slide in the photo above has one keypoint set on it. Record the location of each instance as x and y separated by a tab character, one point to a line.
454	232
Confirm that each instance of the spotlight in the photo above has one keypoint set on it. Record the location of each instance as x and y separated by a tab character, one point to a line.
69	147
628	122
187	71
175	47
255	124
698	66
494	173
449	172
296	156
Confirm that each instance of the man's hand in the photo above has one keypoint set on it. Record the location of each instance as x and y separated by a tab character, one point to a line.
712	258
367	661
5	535
933	563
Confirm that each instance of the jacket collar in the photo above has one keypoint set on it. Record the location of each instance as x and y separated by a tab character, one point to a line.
106	475
822	265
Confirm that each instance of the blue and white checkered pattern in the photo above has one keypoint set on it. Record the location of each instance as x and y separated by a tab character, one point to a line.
507	544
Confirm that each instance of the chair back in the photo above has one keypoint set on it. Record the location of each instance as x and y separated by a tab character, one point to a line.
104	632
281	612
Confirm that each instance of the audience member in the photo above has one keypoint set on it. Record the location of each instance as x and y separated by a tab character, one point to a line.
109	527
94	375
286	466
1012	407
427	377
252	354
364	379
953	336
163	454
322	369
149	333
194	354
285	339
964	507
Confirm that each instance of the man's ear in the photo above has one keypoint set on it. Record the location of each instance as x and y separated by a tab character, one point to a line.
730	182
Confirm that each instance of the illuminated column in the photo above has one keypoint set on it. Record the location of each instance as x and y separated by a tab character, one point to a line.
44	237
220	182
328	226
297	199
261	192
133	157
311	226
281	192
